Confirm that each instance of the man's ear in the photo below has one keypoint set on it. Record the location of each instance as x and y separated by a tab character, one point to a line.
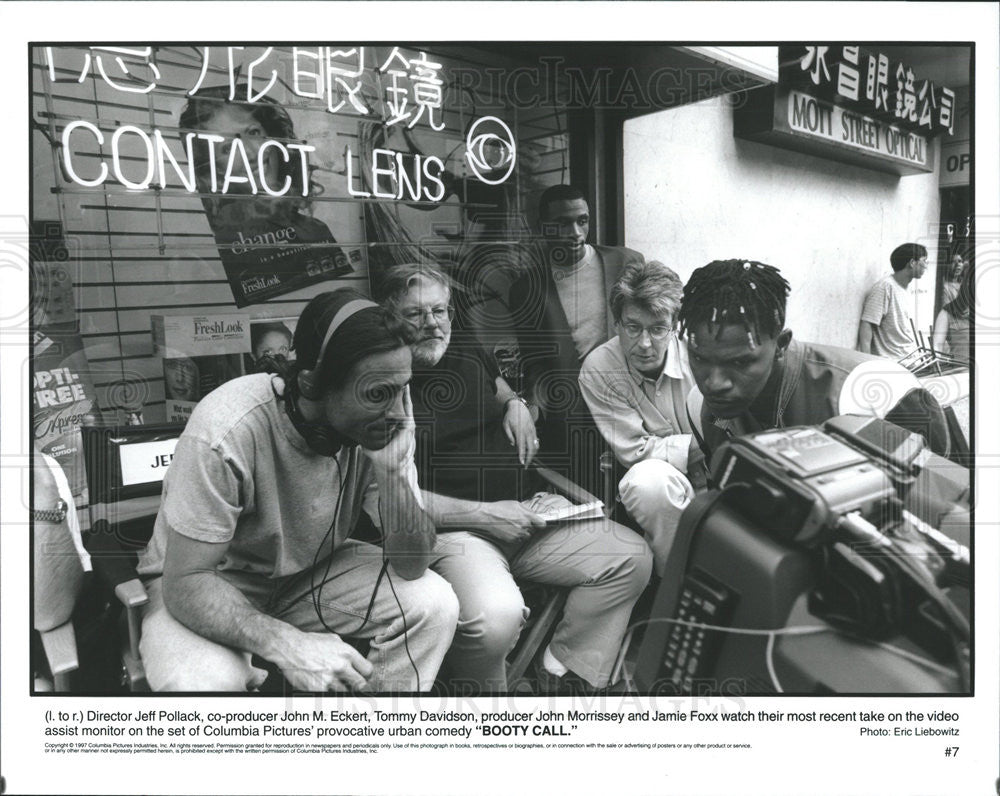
308	386
782	340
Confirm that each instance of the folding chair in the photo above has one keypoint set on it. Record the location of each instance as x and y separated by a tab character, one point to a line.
125	470
58	576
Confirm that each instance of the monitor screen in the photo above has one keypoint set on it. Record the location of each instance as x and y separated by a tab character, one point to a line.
128	461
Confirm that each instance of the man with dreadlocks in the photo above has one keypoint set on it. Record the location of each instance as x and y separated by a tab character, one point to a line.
751	375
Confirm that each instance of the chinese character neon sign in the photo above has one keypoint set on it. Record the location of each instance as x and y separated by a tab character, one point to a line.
409	88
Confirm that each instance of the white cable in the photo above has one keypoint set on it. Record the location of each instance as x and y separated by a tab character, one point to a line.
769	659
796	630
799	630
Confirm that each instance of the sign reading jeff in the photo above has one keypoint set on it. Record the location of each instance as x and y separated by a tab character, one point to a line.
851	104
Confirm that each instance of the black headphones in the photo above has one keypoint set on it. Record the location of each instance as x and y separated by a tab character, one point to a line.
321	437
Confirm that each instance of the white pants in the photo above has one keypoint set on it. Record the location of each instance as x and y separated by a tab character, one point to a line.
655	494
604	565
410	626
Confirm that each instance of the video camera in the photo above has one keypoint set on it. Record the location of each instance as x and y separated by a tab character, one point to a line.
829	560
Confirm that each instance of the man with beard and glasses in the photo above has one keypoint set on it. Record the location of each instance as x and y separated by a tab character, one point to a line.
472	455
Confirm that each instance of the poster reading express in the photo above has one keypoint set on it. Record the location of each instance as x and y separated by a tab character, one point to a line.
63	398
257	181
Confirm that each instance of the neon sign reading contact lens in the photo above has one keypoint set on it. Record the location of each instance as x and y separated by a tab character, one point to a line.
239	169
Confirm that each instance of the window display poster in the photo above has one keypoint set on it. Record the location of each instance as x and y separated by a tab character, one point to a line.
270	337
62	388
63	398
269	244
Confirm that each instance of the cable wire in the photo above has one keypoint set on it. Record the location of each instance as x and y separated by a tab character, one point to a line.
406	643
773	633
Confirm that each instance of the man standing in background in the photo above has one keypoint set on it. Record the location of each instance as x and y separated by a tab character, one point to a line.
886	328
560	312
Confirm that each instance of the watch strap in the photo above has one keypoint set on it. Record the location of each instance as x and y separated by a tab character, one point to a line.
55	515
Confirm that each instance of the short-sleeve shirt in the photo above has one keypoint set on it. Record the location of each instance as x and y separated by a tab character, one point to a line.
243	474
885	309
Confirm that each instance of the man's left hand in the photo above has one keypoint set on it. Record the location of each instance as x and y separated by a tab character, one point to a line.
520	431
399	451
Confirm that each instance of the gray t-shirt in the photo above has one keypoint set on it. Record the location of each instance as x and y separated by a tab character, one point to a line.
581	292
242	474
885	309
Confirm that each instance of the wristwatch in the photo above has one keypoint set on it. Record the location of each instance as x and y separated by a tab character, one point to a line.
532	408
58	514
519	399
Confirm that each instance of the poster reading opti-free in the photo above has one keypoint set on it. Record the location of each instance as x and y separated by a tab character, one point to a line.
63	397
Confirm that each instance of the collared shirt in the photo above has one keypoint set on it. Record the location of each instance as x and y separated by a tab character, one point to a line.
639	417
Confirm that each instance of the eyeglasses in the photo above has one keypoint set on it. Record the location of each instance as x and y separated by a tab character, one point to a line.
658	331
415	317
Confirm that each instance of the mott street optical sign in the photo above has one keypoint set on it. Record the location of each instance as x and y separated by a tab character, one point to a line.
850	105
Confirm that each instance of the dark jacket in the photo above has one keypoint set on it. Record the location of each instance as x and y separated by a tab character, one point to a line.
570	441
549	358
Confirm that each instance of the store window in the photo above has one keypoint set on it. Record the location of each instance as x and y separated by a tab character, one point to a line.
187	197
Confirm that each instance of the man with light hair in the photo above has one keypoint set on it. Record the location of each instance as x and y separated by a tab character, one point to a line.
636	385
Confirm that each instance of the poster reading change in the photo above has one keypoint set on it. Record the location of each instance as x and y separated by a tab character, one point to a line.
257	182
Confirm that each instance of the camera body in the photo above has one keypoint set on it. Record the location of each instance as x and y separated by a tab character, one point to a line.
821	553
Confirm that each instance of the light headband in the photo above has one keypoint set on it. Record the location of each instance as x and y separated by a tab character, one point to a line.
350	308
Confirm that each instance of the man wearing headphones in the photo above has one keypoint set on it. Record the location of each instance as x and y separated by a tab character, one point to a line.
250	553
